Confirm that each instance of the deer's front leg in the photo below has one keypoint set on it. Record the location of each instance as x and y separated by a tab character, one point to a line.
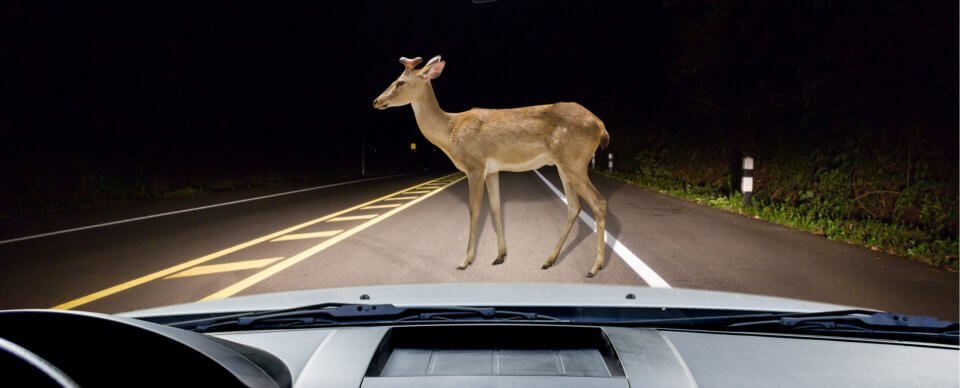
493	194
475	183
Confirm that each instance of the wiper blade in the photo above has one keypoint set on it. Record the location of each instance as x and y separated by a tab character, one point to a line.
868	319
852	322
193	324
485	312
355	314
859	321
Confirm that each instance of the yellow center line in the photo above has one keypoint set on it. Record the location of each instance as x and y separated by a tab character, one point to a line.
200	260
399	198
351	218
286	263
417	192
301	236
217	268
387	206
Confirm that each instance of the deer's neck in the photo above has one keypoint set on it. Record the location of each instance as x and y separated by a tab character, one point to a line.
433	121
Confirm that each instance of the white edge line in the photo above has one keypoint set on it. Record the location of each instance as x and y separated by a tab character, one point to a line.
188	210
634	262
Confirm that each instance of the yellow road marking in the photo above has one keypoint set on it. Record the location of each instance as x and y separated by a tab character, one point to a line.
217	268
200	260
387	206
417	192
399	198
351	218
286	263
301	236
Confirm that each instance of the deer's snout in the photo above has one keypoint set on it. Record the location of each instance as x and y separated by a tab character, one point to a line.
379	104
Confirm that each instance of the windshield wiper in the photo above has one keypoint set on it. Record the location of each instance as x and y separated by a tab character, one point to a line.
877	323
335	314
851	323
845	322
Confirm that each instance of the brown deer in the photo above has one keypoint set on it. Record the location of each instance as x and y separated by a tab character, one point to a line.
483	142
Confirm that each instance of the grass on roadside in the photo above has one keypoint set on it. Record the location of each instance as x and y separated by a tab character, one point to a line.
892	238
96	191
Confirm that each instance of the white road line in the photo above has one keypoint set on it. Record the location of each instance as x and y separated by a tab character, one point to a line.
638	266
187	210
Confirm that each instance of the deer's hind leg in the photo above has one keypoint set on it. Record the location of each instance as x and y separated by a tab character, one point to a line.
573	209
580	181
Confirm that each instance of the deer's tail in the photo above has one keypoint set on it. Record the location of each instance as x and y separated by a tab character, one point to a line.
604	136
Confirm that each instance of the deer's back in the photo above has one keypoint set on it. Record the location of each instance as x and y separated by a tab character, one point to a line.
524	138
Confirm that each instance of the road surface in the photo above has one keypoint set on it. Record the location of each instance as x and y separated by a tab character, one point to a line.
413	229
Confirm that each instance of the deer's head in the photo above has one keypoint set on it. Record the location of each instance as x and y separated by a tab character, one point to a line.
411	83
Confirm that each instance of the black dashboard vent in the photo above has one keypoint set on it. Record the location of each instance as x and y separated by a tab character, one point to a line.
501	350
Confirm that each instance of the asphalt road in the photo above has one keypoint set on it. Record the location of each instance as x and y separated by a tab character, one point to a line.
413	229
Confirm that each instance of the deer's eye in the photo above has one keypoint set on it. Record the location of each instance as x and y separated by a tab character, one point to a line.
400	83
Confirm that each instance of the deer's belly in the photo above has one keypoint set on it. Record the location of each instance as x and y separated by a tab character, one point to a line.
521	165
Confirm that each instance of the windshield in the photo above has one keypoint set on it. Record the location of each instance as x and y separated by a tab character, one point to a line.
162	154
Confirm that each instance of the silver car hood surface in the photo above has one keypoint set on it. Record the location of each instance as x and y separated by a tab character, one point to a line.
341	356
498	294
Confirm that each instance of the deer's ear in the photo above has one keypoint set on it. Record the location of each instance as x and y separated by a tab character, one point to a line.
433	68
410	63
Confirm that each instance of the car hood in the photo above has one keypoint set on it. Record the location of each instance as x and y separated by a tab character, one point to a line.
498	294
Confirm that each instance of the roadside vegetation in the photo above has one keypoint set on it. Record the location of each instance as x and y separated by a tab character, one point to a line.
851	141
74	179
98	190
891	201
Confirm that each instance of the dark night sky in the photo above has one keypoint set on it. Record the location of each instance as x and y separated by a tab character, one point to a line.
319	65
172	86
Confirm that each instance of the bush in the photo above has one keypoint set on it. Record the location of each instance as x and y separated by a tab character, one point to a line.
861	189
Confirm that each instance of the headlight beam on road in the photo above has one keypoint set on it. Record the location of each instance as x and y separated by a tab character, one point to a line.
450	179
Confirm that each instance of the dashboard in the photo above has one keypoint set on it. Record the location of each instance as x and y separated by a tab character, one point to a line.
57	348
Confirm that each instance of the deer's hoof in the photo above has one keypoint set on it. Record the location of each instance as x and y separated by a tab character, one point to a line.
545	266
500	259
591	274
461	267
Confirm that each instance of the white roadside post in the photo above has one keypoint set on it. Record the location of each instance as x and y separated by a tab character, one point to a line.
593	162
610	162
746	185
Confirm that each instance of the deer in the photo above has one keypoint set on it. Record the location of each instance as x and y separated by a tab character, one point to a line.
483	142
